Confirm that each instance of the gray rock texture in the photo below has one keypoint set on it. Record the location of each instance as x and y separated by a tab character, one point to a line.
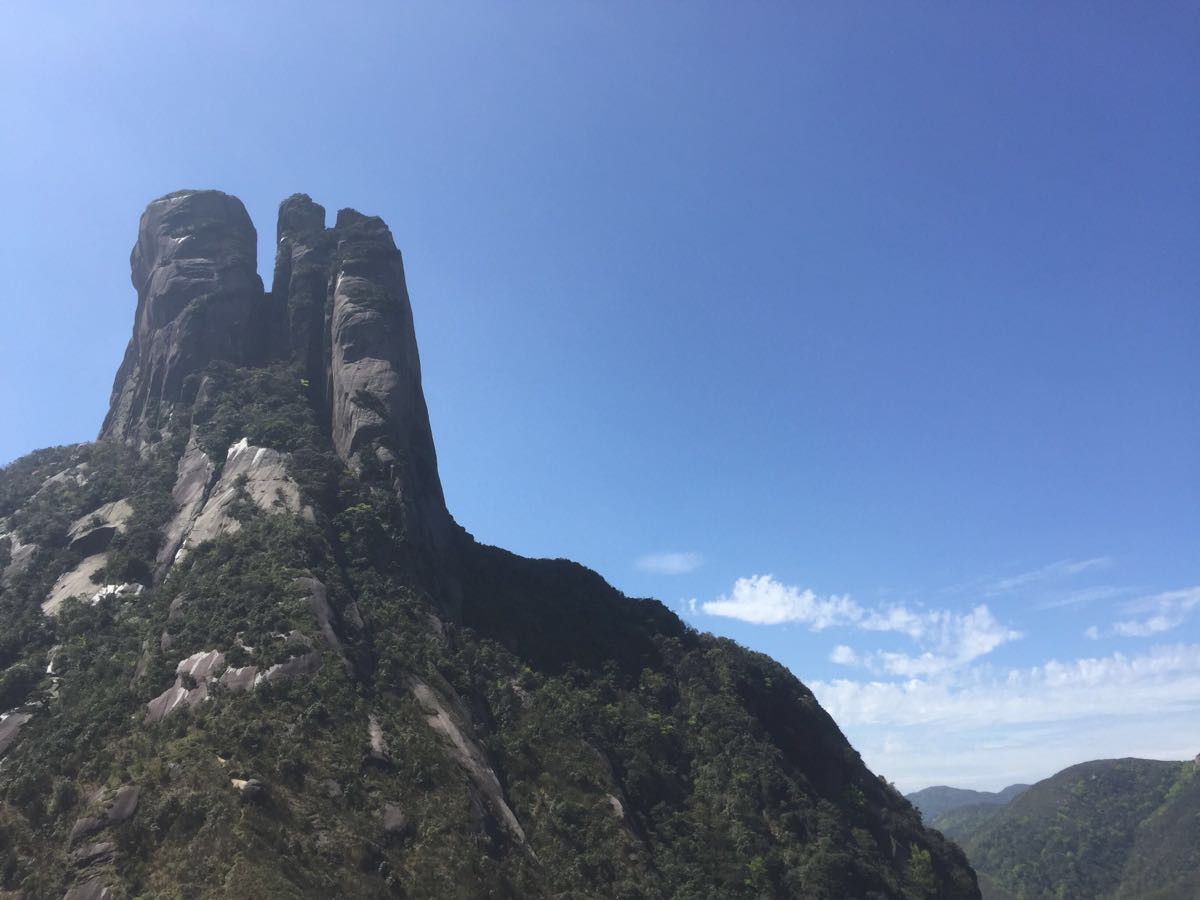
194	477
73	583
350	326
92	889
93	533
338	308
10	724
192	678
461	746
203	514
378	413
194	267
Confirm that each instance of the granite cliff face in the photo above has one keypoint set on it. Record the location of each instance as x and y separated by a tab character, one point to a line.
195	269
245	651
338	310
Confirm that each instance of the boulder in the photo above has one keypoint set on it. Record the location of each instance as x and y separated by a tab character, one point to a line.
239	679
93	533
394	819
192	678
10	724
112	812
378	751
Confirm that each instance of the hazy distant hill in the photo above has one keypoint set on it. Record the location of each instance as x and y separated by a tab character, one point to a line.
934	801
1121	828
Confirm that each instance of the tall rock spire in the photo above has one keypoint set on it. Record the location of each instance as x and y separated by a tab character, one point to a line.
350	328
338	311
194	268
378	411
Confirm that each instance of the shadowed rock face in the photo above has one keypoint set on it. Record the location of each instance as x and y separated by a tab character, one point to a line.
378	412
349	325
195	270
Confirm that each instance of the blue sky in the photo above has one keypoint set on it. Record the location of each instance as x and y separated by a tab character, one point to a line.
862	334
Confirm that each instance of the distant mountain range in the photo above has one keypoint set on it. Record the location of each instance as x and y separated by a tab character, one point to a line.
935	801
1116	828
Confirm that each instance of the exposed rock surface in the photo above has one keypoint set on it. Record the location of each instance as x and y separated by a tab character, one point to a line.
10	724
467	753
73	583
255	474
92	889
19	556
194	477
192	678
94	532
120	808
304	664
379	750
378	406
239	679
394	819
350	325
91	854
195	270
318	601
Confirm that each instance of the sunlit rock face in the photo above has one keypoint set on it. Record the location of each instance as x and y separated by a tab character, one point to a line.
195	270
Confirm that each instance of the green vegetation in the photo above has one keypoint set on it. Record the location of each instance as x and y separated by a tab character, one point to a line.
1108	829
640	758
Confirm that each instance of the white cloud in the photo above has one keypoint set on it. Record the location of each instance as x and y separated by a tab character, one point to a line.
843	655
1162	680
986	728
1159	613
949	638
761	600
670	563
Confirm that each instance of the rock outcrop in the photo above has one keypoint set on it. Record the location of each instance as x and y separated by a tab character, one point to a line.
255	475
338	310
195	270
350	327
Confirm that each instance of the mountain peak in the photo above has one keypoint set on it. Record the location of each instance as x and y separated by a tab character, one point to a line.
338	311
194	269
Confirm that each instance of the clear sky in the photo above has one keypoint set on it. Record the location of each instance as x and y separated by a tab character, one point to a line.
862	333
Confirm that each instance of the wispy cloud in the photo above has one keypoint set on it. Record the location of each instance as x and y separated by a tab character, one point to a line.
672	563
1152	615
1085	596
1164	679
1064	568
949	638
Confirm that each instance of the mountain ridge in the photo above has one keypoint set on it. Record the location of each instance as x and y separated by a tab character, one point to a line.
248	652
938	799
1111	828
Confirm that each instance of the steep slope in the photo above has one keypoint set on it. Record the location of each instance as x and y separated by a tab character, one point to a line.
935	801
276	667
1122	828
